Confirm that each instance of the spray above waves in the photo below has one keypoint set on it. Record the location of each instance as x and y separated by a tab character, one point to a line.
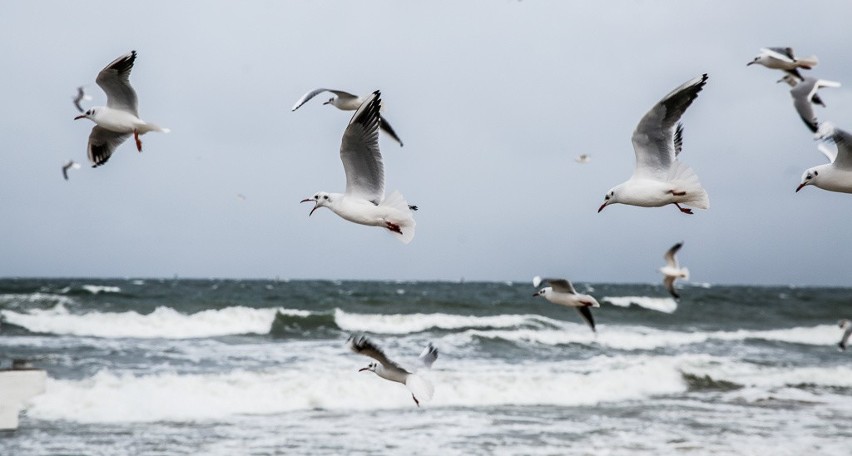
667	305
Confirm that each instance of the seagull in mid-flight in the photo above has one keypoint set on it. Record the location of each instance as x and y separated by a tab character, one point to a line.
346	101
835	176
71	164
659	178
671	271
562	292
782	58
793	81
420	388
364	201
846	326
80	97
116	121
803	95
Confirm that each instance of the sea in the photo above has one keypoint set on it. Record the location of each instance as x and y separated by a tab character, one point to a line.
262	367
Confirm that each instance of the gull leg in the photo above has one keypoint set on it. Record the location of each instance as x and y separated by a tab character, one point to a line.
138	141
395	228
415	400
684	210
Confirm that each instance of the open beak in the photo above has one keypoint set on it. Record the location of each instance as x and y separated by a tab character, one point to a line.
82	116
307	200
602	207
801	186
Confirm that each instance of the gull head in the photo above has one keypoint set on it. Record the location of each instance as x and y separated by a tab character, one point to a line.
370	367
808	178
330	101
542	292
321	199
758	59
609	198
90	114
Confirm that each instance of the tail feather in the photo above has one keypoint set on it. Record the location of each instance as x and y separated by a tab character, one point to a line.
403	217
421	388
807	62
152	127
685	179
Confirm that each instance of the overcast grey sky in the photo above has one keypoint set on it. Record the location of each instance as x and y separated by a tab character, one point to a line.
493	100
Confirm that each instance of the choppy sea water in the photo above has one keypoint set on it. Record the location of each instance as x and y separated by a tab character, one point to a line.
211	367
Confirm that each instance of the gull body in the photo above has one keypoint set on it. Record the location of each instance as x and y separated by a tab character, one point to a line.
562	292
793	81
803	95
364	201
659	177
346	101
778	58
835	176
421	389
846	326
116	121
672	271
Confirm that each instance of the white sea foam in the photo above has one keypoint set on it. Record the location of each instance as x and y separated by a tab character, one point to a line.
163	322
667	305
96	289
12	300
411	323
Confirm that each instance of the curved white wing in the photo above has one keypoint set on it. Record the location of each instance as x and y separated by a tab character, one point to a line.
115	81
670	255
102	143
307	97
359	151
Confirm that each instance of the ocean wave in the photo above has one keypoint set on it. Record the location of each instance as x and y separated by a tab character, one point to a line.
163	322
96	289
413	323
667	305
16	300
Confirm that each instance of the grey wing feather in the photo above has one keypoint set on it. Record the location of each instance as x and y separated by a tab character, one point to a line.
102	143
783	51
385	126
561	285
115	81
429	355
363	346
80	95
359	151
669	283
802	94
586	313
656	140
670	254
843	140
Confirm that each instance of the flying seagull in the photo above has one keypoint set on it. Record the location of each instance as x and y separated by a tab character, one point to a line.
659	178
346	101
70	165
835	176
803	96
420	388
671	271
80	97
846	326
364	201
583	159
793	81
116	121
782	58
562	292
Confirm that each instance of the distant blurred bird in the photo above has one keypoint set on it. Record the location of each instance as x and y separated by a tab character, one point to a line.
671	271
70	165
659	178
364	201
562	292
778	58
803	94
420	388
241	196
120	117
835	176
346	101
583	159
792	81
80	97
846	326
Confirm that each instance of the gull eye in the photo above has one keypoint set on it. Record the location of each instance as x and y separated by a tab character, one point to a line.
816	173
325	197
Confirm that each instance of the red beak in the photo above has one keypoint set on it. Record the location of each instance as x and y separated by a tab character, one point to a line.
82	116
602	207
307	200
801	186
